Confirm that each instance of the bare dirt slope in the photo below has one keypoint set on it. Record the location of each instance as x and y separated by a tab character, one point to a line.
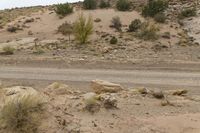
129	49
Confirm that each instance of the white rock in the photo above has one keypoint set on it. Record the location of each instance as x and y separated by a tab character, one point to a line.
100	86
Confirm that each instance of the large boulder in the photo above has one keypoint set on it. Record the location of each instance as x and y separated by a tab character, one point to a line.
100	86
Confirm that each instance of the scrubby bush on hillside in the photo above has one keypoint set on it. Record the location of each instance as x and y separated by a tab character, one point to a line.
83	28
104	4
154	7
113	40
148	31
135	25
160	18
21	114
190	12
116	23
90	4
63	9
66	29
123	5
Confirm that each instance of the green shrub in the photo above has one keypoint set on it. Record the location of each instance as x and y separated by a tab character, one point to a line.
116	23
148	31
160	18
113	40
8	50
66	29
123	5
135	25
154	7
83	28
104	4
63	9
90	4
21	114
190	12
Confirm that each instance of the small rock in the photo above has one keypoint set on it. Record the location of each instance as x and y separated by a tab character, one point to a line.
166	35
30	32
100	86
157	93
12	28
159	47
142	90
97	20
166	102
29	20
109	101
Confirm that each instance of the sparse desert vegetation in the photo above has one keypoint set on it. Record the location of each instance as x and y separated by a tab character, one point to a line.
104	4
8	50
63	9
22	114
113	40
90	4
83	28
188	12
66	29
154	7
123	5
116	23
148	31
149	49
135	25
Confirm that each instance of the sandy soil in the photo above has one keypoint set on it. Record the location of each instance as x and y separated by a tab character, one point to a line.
134	112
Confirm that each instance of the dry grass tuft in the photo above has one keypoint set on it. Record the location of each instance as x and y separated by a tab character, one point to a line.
22	114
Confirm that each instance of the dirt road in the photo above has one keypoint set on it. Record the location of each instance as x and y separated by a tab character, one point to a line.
129	77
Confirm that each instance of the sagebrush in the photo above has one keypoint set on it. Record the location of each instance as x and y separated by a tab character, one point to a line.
135	25
148	31
104	4
90	4
113	40
123	5
188	12
154	7
63	9
116	23
22	114
160	18
66	29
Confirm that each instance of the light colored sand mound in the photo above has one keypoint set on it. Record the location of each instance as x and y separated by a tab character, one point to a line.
46	26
